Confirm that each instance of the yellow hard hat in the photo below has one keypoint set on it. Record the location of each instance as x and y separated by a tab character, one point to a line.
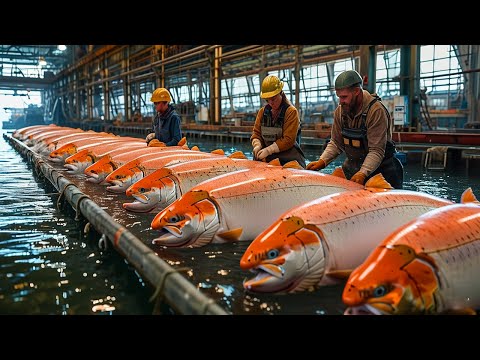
271	86
161	94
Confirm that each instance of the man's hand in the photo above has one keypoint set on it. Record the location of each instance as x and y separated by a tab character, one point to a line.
359	178
316	165
257	146
269	150
150	137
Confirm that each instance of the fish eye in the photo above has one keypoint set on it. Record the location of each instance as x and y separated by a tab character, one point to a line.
380	291
142	190
174	219
272	254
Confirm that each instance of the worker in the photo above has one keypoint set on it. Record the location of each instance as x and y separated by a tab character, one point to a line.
166	124
276	131
362	128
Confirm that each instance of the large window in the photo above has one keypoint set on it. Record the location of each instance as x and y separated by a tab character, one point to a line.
388	72
240	94
444	91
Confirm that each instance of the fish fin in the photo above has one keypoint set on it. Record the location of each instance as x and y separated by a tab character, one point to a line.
339	172
275	162
468	197
218	152
378	182
182	141
462	311
237	155
231	235
292	165
156	143
195	148
339	274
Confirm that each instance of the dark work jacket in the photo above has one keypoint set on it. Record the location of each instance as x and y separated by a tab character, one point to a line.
167	127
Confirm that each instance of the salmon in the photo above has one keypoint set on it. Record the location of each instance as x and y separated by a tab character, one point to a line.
78	162
59	155
430	265
320	242
20	134
46	146
136	169
24	133
98	171
165	185
238	206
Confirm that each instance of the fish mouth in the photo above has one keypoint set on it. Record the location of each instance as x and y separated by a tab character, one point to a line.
94	178
268	278
173	237
141	198
365	309
121	185
117	186
56	159
71	167
138	206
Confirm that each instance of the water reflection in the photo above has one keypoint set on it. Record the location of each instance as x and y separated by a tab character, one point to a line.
48	266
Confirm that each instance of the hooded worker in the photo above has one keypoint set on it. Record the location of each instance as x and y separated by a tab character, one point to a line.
362	128
276	133
166	124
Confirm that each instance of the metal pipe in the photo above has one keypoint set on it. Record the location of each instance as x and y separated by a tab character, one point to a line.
170	59
175	289
243	51
217	81
324	59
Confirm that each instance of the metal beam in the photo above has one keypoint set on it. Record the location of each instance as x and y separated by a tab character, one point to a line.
12	82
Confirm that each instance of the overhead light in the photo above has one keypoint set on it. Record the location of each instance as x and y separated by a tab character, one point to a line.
62	47
42	61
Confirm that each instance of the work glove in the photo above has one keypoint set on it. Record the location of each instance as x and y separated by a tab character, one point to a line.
269	150
317	165
156	143
359	178
150	137
257	146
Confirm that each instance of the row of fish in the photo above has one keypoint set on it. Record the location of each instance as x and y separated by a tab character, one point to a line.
401	251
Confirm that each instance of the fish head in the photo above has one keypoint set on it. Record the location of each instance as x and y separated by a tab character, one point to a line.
156	189
62	153
99	170
127	174
287	257
78	162
392	280
51	146
190	221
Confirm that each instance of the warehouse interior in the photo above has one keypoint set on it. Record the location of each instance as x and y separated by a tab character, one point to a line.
59	258
426	87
